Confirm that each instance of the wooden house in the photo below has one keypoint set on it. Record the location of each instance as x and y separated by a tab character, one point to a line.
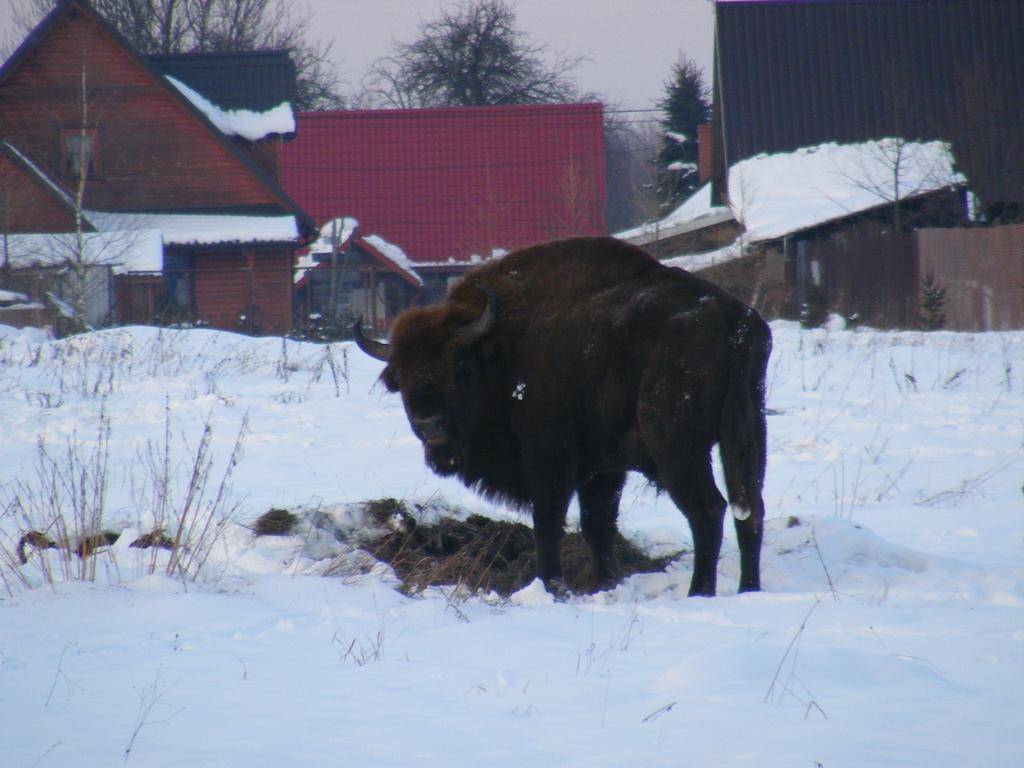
97	138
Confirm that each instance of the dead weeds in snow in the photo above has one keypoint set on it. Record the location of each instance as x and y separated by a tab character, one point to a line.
479	554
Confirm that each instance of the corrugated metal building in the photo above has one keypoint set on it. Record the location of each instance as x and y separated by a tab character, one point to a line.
796	73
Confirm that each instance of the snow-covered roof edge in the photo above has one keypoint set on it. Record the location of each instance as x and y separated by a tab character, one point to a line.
395	255
341	227
140	250
777	195
344	229
773	196
245	123
203	228
695	213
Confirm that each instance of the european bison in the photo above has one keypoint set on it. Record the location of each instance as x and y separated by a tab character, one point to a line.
560	367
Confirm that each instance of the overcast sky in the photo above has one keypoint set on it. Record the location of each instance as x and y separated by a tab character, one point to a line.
630	44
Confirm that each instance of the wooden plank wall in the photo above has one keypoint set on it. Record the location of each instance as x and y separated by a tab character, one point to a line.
244	292
872	276
26	206
154	154
982	271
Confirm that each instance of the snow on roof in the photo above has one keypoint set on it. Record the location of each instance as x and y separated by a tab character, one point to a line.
12	297
343	227
134	242
124	251
394	254
245	123
694	262
202	228
776	195
696	212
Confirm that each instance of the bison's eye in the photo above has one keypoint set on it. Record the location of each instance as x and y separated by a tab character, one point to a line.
389	379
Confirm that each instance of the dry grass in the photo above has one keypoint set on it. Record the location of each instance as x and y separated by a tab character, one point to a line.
479	554
276	522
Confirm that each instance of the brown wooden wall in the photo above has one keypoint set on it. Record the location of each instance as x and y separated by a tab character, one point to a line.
154	153
872	276
138	298
982	271
248	292
25	206
878	277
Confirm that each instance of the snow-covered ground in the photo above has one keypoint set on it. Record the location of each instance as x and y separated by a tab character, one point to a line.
890	631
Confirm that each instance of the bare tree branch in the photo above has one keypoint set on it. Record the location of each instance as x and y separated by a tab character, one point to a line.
193	26
472	55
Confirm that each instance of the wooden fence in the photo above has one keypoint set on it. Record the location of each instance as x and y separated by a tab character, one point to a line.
879	277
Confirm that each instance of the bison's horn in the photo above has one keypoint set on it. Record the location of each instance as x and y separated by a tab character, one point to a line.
375	349
483	324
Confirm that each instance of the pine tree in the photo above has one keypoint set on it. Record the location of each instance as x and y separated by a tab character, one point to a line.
933	304
686	105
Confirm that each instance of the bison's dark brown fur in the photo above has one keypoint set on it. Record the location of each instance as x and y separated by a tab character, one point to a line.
562	366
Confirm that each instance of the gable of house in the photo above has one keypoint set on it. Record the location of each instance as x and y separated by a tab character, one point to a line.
453	184
159	159
798	73
151	148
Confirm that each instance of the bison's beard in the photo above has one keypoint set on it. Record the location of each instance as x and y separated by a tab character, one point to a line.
441	458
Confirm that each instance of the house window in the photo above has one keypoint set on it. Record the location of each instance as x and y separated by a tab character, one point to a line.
79	150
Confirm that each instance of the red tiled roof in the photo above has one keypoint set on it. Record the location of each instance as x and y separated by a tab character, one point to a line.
448	184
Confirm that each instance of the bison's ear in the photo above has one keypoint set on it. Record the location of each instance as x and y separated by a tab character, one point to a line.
388	377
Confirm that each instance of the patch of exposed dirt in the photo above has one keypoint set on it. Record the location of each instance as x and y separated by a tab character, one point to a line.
480	554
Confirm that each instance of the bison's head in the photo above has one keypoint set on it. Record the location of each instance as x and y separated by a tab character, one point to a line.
428	360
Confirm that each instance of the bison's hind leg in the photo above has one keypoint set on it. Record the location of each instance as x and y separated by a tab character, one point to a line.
599	499
690	482
749	532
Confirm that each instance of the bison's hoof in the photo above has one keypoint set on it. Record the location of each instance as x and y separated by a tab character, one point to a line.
558	589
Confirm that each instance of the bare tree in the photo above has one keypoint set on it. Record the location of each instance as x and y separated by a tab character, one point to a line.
629	153
472	55
193	26
81	260
894	170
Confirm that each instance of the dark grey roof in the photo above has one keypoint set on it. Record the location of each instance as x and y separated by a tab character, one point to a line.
255	80
804	72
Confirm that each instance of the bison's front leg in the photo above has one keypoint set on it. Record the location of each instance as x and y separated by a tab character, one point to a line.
599	509
548	529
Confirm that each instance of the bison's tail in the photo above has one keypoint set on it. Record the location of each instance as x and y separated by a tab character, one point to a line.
742	437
